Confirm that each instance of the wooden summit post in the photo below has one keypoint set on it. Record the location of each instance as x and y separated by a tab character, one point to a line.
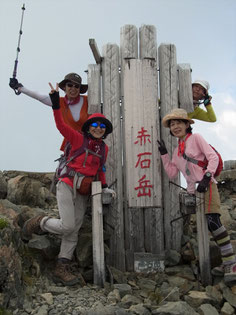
142	167
124	85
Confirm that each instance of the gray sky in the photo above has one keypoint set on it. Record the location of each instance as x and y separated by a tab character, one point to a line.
55	41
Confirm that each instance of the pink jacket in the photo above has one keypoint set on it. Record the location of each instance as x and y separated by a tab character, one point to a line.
195	147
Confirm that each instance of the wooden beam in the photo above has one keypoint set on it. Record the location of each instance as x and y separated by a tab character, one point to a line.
95	51
203	242
97	232
185	87
169	100
94	88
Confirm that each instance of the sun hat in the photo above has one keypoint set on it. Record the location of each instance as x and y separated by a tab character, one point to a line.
74	78
203	83
98	117
176	113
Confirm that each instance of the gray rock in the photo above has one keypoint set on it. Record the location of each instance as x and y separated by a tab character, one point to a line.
3	186
227	309
229	296
129	300
175	308
172	257
139	309
208	309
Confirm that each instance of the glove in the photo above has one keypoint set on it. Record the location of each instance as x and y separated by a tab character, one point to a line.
55	100
203	184
109	191
162	147
207	100
14	84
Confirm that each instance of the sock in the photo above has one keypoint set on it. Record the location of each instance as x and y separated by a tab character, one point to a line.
223	241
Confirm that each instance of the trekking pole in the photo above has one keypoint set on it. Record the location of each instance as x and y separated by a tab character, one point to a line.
13	80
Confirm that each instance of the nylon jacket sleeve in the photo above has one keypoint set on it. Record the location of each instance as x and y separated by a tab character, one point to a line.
73	136
45	99
169	166
205	115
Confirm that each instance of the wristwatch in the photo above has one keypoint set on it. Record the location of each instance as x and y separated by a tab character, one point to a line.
208	174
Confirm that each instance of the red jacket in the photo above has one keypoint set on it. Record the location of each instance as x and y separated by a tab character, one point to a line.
92	165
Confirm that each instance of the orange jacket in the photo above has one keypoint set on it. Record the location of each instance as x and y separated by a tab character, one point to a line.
68	118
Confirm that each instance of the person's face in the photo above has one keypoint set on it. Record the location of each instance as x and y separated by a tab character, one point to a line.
97	129
199	92
178	128
72	90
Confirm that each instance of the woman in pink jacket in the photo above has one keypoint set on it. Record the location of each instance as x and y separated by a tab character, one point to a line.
194	146
71	195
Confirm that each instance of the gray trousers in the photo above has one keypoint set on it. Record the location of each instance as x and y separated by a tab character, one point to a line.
71	213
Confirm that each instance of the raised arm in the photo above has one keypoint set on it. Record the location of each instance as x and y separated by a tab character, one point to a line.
19	88
73	136
205	115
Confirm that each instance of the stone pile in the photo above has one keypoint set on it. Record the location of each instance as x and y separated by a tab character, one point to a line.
25	267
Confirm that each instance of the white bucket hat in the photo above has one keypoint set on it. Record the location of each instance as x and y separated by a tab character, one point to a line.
203	83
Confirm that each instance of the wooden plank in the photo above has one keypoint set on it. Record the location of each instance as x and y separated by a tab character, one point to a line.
203	242
129	42
134	234
153	230
112	110
141	123
128	49
148	42
168	101
95	51
185	87
94	89
97	233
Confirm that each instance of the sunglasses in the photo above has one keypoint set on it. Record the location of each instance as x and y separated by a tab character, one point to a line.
70	85
95	125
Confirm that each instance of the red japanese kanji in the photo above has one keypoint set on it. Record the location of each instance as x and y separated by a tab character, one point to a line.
144	161
144	187
142	137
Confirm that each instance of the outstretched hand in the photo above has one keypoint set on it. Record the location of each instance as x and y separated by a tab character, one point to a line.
162	147
54	96
52	88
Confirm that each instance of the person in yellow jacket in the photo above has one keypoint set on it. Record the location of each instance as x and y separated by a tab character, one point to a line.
200	96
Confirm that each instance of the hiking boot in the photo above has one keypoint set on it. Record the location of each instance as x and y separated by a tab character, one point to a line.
230	273
62	274
218	271
32	226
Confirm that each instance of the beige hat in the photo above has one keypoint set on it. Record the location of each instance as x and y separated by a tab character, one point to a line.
176	113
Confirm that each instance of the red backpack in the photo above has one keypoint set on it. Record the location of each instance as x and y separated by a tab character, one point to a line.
204	163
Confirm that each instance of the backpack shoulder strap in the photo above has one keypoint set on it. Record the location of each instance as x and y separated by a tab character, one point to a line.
194	161
79	151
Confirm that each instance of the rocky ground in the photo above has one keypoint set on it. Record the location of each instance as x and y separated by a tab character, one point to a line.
25	267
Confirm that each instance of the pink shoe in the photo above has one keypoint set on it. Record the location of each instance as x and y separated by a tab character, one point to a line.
230	273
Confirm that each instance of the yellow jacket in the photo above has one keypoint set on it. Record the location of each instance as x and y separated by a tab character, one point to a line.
201	114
